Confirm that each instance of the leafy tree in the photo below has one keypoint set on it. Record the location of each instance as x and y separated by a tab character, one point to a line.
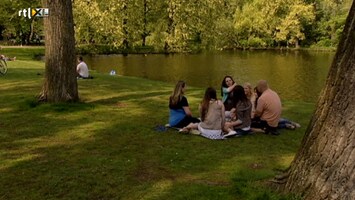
182	25
291	26
88	18
261	23
250	29
331	20
15	28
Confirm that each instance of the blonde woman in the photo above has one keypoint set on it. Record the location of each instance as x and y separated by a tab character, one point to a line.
249	92
180	113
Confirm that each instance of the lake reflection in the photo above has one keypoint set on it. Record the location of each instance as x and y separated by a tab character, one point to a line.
295	75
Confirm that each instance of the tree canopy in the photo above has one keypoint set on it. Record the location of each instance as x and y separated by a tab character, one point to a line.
190	25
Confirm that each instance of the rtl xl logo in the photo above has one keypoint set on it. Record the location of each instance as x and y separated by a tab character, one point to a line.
34	12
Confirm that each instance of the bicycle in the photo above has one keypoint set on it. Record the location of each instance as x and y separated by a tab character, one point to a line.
3	66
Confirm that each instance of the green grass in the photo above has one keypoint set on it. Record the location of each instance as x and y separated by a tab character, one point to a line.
23	53
105	147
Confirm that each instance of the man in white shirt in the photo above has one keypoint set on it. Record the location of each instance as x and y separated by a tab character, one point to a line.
82	69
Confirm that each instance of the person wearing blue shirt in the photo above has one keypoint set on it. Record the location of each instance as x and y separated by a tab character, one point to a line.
180	113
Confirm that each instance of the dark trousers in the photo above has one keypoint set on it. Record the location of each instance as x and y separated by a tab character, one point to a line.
186	121
262	124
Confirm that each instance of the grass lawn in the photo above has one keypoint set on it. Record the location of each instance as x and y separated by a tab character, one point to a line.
106	147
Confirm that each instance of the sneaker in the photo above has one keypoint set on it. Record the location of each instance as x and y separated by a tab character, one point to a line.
297	125
230	133
195	132
290	126
160	128
274	132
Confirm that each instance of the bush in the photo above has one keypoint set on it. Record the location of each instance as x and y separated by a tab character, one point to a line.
110	49
98	49
256	42
325	42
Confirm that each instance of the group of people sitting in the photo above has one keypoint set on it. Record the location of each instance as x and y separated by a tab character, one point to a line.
242	110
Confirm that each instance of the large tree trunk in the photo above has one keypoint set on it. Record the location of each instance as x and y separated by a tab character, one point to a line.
324	167
60	83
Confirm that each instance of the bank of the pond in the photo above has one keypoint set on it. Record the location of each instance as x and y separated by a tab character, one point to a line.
109	49
106	147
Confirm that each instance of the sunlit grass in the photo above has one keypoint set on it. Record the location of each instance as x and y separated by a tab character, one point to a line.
106	147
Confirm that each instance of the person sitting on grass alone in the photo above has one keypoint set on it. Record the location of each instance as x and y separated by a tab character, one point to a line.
82	69
180	113
212	116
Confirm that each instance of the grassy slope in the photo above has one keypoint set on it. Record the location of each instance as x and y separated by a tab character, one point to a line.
107	148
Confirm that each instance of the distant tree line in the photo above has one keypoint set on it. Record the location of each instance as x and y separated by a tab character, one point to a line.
189	25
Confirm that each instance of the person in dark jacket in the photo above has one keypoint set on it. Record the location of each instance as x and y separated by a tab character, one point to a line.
241	121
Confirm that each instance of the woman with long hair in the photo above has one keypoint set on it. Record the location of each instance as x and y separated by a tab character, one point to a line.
227	88
180	113
212	116
243	106
249	92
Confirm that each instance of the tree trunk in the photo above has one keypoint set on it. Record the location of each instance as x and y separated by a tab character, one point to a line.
297	43
30	37
125	42
324	167
145	22
60	84
171	25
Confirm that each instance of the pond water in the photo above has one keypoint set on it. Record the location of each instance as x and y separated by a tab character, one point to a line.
295	75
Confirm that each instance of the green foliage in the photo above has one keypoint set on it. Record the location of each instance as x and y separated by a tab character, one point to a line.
190	26
97	49
16	29
111	49
260	22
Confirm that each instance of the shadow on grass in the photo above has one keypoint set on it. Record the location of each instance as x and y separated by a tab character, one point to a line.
141	96
124	160
98	151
